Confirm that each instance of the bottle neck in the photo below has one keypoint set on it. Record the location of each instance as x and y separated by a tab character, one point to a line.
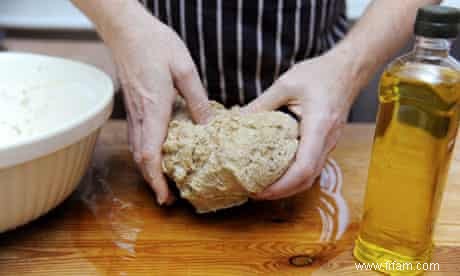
432	47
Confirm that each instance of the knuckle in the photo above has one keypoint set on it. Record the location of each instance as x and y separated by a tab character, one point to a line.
149	157
288	84
336	118
307	171
330	120
127	85
156	181
137	157
254	107
185	70
135	121
152	175
200	106
327	121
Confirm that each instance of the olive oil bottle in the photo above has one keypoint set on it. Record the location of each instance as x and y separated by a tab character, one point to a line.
417	122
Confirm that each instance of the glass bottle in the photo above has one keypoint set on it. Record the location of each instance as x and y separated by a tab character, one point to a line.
417	122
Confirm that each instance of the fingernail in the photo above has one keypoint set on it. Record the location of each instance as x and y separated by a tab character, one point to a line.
160	200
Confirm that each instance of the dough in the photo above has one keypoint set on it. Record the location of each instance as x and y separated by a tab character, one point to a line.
219	164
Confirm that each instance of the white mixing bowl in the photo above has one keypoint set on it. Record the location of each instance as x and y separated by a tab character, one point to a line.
51	110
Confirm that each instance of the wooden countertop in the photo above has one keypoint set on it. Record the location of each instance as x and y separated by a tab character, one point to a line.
111	225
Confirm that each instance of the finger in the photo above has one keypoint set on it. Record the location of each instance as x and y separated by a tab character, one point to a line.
273	98
187	82
331	141
304	168
329	146
135	135
151	170
297	110
303	186
132	137
132	110
154	131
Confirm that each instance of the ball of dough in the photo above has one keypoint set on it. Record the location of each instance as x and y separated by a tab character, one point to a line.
219	164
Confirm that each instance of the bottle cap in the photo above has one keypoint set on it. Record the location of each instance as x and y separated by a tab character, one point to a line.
437	22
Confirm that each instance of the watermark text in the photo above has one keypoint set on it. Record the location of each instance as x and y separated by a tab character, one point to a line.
398	266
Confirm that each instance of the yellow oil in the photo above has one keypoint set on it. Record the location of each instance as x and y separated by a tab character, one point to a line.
416	129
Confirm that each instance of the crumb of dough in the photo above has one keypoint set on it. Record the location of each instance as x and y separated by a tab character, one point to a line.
218	165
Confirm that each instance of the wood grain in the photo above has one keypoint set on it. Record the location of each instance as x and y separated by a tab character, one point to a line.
112	226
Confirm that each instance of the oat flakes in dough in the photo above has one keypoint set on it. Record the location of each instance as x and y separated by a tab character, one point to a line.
218	165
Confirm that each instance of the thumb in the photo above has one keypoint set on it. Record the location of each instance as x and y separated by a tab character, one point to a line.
188	84
305	167
272	99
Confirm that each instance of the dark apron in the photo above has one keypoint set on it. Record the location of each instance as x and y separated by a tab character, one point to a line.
241	47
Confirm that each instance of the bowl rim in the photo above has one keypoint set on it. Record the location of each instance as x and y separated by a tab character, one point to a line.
84	124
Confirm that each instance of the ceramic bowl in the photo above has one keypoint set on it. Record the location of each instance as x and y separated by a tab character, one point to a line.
51	111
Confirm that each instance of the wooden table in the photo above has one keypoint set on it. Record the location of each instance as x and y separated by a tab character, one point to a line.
112	226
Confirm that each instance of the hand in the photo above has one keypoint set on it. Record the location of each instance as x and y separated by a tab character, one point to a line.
320	92
154	65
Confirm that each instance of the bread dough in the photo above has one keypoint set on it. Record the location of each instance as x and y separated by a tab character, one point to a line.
219	164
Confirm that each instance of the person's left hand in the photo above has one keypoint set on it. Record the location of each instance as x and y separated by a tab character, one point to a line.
320	91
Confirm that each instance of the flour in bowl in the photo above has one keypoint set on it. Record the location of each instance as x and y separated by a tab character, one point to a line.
17	112
28	110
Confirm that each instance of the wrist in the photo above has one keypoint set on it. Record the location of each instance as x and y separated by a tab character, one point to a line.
125	26
116	20
357	67
348	69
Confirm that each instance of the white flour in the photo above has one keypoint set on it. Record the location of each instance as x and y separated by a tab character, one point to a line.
18	110
26	112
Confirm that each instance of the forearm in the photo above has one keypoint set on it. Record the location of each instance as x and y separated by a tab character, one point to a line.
114	19
384	28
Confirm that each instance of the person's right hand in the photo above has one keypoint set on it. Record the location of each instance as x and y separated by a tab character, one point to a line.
153	66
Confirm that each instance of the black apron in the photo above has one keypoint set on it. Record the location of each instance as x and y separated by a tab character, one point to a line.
242	47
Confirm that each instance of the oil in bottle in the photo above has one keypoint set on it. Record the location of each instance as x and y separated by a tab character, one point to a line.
417	122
